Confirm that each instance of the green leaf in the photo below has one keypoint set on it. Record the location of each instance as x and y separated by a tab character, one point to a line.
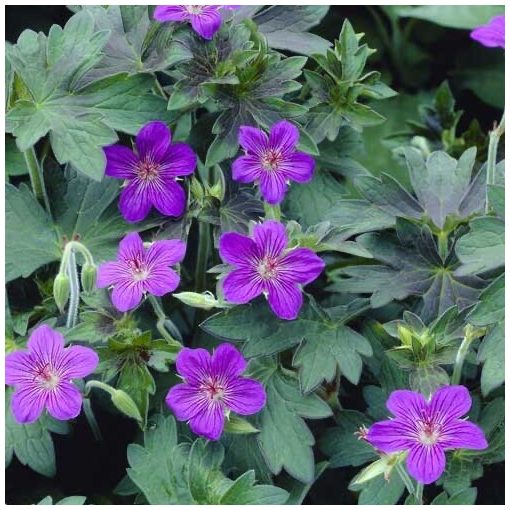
463	497
459	474
382	492
490	354
497	199
483	248
426	379
70	500
14	160
298	490
491	307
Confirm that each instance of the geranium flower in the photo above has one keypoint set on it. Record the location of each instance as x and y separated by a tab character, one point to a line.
272	161
426	429
205	19
263	264
138	270
212	387
151	172
42	376
492	34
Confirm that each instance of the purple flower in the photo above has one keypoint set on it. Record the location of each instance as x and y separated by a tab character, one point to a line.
492	34
272	161
426	429
42	376
212	386
151	172
263	264
205	19
138	270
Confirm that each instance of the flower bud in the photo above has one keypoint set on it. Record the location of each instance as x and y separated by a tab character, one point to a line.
237	425
61	290
405	335
88	277
206	301
197	191
125	404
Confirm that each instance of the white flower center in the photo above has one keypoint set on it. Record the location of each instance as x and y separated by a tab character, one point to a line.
47	378
194	9
428	432
213	389
147	170
271	160
139	270
267	268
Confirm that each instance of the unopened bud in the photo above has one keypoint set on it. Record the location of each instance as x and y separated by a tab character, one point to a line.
197	191
405	335
206	301
61	290
237	425
88	277
125	404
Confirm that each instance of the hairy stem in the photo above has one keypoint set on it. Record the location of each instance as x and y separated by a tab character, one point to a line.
272	212
202	256
74	296
459	360
36	177
89	414
164	323
419	493
401	470
494	137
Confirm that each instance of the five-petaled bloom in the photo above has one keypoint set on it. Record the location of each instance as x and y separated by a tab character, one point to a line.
212	386
42	376
151	172
492	34
426	429
205	19
263	264
272	161
138	270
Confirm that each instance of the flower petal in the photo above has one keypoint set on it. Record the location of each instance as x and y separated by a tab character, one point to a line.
209	421
19	368
253	140
178	160
270	237
284	136
166	253
131	247
120	162
298	167
284	298
170	13
426	463
161	281
153	140
246	169
127	295
390	436
237	249
245	396
492	34
273	186
168	198
64	402
109	273
463	434
227	361
134	203
78	361
450	402
27	403
406	404
193	364
302	265
241	286
46	344
184	401
207	23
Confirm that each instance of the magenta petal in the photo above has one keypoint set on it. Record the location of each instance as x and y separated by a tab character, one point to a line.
161	281
64	402
284	136
209	421
245	396
193	364
270	237
285	299
184	401
253	140
166	253
450	402
171	13
406	404
134	203
131	247
78	361
246	169
273	186
18	368
169	198
46	343
302	265
462	434
178	160
227	361
109	273
120	162
127	295
27	403
426	463
236	249
492	34
152	141
298	167
390	436
241	286
207	23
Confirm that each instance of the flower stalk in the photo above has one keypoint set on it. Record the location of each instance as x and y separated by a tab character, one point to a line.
204	247
470	334
36	177
164	323
401	470
494	137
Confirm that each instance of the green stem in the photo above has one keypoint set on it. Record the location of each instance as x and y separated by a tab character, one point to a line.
36	177
98	384
401	470
74	296
442	244
89	414
419	493
163	321
202	256
461	356
159	89
272	212
494	137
